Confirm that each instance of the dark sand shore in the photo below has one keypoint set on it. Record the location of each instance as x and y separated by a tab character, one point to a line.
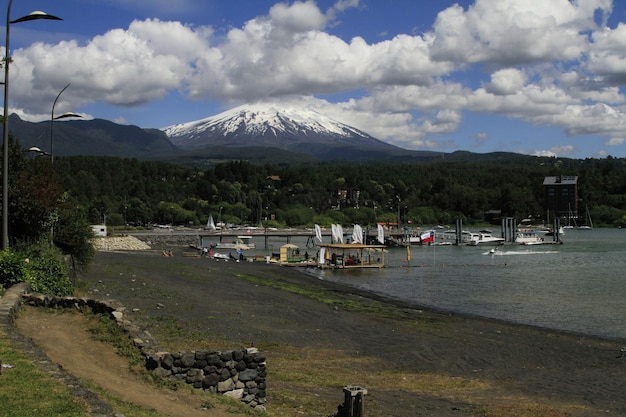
562	374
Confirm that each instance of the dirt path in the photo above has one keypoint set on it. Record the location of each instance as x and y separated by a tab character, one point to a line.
90	360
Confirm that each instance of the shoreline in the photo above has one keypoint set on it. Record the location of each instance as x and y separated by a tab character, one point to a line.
271	306
586	331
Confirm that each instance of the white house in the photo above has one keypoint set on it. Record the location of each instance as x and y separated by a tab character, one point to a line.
99	230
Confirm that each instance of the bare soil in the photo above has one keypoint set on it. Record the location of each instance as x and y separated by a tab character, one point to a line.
66	341
525	370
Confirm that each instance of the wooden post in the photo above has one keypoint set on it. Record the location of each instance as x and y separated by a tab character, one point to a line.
354	401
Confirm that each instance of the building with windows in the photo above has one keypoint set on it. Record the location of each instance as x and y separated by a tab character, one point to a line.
348	197
561	196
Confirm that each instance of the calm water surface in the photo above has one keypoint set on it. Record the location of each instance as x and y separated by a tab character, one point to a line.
579	286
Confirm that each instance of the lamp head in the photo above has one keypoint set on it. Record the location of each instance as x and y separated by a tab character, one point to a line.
67	115
36	15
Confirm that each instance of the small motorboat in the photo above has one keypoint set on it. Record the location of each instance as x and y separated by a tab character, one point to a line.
217	256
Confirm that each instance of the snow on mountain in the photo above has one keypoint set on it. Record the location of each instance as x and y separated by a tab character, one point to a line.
286	127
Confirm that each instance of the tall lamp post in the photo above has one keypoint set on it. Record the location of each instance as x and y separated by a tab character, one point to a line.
52	119
4	242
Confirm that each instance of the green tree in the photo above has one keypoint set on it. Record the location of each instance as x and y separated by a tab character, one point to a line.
298	216
74	234
34	195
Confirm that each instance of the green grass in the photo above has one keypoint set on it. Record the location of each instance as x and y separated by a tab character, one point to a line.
26	391
349	302
106	330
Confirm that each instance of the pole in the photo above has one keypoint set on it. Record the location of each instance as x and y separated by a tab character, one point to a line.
52	122
4	243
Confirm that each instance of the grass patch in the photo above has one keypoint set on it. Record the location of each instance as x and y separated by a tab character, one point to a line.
329	370
26	391
175	336
106	330
349	302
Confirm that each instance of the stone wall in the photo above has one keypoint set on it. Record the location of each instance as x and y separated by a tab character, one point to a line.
238	373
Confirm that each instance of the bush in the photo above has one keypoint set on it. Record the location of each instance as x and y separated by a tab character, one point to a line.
13	268
40	265
48	271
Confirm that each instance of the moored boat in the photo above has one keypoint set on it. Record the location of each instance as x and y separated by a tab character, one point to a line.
484	237
528	237
351	255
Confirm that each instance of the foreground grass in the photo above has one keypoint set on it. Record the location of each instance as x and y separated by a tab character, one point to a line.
26	391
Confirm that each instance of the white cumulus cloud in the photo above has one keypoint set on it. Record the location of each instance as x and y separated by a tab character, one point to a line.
546	62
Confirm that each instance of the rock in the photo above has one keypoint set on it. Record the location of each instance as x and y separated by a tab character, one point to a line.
119	243
236	394
225	386
188	359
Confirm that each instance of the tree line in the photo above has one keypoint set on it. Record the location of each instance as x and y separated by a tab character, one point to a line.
122	191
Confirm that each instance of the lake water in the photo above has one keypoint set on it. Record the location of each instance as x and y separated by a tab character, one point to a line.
578	286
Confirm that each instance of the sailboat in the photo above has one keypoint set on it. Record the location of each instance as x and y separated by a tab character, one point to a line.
210	224
570	218
588	223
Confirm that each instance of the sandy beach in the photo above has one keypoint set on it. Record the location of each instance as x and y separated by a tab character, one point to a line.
485	367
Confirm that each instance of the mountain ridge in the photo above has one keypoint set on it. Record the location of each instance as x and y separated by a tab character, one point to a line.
258	133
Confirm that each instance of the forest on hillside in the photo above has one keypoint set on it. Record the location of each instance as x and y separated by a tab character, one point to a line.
129	191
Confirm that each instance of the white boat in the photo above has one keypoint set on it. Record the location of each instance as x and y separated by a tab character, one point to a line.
484	238
242	242
528	237
218	256
550	232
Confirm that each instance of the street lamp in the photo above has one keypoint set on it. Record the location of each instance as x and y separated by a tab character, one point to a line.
4	242
52	119
38	151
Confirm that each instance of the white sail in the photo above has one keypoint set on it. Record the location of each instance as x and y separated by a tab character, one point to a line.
357	234
210	224
340	233
318	233
333	228
381	234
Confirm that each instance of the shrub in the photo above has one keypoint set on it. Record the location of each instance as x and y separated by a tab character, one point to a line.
48	271
42	266
13	268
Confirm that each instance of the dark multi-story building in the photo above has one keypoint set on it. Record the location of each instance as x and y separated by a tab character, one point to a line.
348	197
561	196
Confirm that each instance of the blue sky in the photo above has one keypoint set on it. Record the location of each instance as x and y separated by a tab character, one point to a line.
540	77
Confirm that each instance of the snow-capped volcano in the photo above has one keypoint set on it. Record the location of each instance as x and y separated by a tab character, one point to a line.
286	127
